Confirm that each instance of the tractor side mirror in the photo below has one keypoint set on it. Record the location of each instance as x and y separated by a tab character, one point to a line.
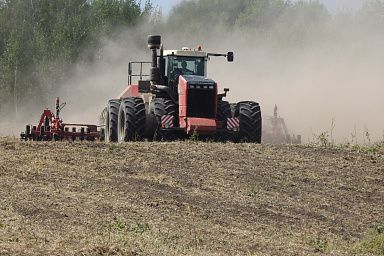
230	56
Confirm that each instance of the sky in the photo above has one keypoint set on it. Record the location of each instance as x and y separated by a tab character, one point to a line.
333	5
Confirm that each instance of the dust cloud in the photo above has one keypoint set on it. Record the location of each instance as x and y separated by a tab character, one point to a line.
90	87
331	81
334	84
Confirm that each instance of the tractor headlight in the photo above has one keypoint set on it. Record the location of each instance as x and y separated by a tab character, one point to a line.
204	86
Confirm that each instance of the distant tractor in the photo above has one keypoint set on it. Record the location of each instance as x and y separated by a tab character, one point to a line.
178	101
275	131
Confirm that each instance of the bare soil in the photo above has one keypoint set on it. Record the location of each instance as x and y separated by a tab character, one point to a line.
186	198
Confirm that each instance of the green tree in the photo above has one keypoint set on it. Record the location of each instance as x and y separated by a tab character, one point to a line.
41	39
252	15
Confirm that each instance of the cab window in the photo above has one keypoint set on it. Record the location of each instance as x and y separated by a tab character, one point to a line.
185	66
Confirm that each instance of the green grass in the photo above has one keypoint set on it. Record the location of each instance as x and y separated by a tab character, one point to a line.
319	245
119	225
368	149
373	242
138	228
325	140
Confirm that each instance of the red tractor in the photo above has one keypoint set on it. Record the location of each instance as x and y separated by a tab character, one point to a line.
178	101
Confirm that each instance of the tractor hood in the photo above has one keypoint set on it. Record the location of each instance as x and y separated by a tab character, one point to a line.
198	80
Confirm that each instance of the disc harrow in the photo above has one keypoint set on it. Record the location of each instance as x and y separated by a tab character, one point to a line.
52	127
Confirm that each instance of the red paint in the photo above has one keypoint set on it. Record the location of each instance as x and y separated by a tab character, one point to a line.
183	95
130	91
203	126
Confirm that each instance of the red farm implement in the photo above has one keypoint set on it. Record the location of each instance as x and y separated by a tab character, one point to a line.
52	127
275	131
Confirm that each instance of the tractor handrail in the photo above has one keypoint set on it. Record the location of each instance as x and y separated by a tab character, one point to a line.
140	75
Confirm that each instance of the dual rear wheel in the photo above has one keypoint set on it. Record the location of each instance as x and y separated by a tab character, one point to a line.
249	115
131	120
124	120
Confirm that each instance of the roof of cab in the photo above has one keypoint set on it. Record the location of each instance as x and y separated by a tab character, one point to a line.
186	53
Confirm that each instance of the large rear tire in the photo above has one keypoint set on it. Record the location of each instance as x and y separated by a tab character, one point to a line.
249	115
111	120
131	121
161	107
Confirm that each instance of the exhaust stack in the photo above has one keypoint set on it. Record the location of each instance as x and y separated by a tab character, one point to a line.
154	43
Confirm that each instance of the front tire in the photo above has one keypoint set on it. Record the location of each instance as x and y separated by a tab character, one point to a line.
223	110
223	113
161	107
249	115
111	120
131	121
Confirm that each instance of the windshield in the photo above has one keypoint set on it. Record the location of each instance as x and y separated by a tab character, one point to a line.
178	65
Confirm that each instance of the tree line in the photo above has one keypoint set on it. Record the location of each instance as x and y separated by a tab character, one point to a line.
41	39
288	21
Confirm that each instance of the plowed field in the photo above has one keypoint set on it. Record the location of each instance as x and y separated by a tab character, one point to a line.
188	198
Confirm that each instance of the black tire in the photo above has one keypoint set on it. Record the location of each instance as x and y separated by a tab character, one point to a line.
249	115
223	110
161	107
131	121
111	120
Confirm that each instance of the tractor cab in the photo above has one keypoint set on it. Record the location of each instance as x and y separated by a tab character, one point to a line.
167	66
185	62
